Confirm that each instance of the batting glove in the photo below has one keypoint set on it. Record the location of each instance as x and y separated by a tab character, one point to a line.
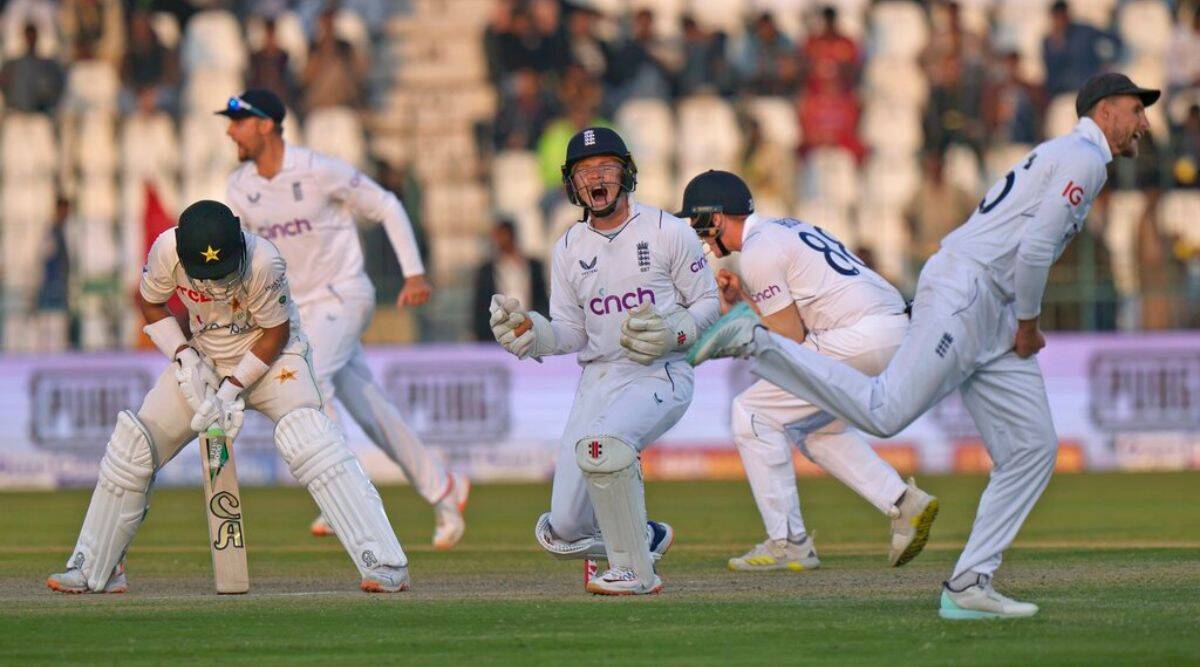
647	335
195	377
223	407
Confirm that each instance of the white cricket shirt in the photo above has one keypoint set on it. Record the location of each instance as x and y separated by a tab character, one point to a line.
308	210
595	280
785	262
1026	219
225	330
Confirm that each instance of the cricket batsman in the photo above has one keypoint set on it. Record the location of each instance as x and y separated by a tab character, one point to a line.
975	329
246	343
305	203
629	290
809	288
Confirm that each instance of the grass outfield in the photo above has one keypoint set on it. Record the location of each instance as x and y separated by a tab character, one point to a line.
1113	560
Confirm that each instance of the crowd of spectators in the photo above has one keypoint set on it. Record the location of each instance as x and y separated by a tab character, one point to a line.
988	91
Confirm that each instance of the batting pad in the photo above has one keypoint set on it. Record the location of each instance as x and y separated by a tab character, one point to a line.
614	481
586	548
118	503
316	452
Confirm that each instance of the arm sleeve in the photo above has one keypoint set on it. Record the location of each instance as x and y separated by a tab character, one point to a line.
764	277
1064	205
694	279
368	199
158	274
566	315
269	293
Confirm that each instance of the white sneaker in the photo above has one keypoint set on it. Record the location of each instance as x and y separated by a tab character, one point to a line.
981	601
659	534
911	522
778	555
386	579
622	581
74	581
449	513
730	336
320	527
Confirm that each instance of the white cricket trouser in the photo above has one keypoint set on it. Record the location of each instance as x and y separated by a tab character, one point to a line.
335	326
619	399
961	337
767	420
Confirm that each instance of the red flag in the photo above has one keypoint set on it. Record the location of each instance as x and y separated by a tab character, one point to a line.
155	221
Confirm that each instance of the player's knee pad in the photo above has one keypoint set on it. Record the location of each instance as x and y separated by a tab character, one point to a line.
604	454
310	443
128	462
316	453
119	502
587	547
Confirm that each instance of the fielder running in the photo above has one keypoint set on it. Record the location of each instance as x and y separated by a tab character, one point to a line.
305	203
975	329
629	290
247	344
810	289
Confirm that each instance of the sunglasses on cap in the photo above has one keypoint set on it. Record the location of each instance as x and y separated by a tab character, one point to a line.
238	104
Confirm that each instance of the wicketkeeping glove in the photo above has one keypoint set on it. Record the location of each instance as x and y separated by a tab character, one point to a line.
223	407
647	335
537	341
195	377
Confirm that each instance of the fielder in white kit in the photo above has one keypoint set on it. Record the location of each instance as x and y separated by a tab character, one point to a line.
629	290
305	203
246	350
975	328
807	287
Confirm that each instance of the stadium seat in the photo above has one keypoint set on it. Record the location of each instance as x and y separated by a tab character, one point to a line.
1022	25
656	186
149	146
833	218
776	117
891	129
831	177
787	14
899	30
289	33
666	14
999	160
92	85
648	125
1177	214
95	146
1098	13
41	14
348	25
892	180
961	168
336	131
97	198
708	132
883	230
726	15
207	90
1125	210
27	145
1180	102
1145	27
26	209
895	82
99	236
1060	116
212	41
453	253
517	192
166	28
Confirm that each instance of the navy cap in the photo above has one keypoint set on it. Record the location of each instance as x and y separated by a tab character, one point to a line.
209	240
1105	85
716	192
254	103
593	141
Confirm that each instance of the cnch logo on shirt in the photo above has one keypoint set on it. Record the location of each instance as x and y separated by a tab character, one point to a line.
613	303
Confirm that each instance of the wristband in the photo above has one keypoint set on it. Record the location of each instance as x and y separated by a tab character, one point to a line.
249	370
166	335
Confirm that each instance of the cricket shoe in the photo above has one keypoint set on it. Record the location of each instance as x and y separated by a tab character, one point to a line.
320	527
782	554
386	580
730	336
660	536
981	601
75	581
622	581
912	518
449	513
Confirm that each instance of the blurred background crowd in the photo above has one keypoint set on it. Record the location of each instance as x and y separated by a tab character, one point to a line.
884	122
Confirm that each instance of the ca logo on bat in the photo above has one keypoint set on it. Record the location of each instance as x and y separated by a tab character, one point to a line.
224	506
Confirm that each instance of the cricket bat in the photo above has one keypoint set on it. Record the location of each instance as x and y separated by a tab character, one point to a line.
223	505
